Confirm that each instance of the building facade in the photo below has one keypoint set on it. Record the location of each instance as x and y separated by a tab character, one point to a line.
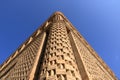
55	51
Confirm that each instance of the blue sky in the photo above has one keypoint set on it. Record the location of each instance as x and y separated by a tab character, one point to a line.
97	20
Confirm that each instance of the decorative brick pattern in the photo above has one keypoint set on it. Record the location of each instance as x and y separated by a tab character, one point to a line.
91	64
55	51
59	62
24	62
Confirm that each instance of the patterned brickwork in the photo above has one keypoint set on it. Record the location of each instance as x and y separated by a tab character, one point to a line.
24	62
59	62
55	51
93	67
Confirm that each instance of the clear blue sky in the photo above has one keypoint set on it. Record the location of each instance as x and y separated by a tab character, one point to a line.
97	20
